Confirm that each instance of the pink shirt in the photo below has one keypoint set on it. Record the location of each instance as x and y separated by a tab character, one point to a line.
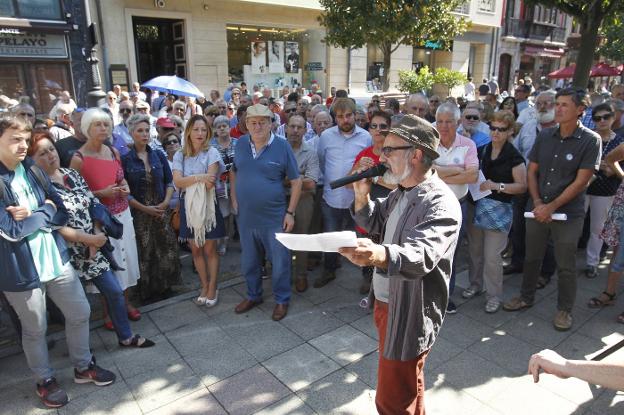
462	153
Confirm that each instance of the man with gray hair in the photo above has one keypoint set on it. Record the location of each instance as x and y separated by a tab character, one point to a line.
618	108
24	111
457	166
418	224
416	104
62	127
121	136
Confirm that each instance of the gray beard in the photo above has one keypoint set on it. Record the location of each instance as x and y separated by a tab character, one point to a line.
391	178
546	117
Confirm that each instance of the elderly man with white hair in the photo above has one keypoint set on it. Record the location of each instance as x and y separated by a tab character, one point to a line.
416	104
62	127
457	166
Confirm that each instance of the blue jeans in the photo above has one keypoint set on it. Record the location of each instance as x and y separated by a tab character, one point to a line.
334	220
109	286
255	243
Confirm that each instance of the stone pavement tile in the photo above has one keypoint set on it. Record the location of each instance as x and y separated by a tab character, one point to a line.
344	345
366	325
579	346
547	308
291	405
320	295
571	389
462	330
472	374
249	391
345	307
309	324
366	369
65	378
199	402
221	364
297	305
162	386
177	315
475	309
267	289
604	324
132	362
264	339
609	403
339	393
525	397
447	399
301	366
442	351
231	320
145	327
199	338
112	399
505	350
15	370
21	398
228	299
534	330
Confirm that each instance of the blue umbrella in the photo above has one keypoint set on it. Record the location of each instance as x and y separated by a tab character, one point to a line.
173	85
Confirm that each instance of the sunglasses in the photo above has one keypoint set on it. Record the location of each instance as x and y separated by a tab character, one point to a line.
598	118
499	129
26	114
388	150
378	126
125	111
168	143
472	117
290	110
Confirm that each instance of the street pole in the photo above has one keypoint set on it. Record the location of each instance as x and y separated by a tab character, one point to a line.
95	97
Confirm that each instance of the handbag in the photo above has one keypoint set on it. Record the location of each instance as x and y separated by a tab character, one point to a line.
174	220
493	215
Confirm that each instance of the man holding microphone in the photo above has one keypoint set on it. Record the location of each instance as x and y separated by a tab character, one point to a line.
418	225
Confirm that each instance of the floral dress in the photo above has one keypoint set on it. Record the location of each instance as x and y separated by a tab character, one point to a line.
77	198
611	231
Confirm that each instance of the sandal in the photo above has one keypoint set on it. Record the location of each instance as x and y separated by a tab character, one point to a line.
134	315
108	325
598	302
620	318
138	342
492	305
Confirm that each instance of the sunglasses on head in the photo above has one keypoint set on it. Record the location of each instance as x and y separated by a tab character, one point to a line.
169	142
472	117
374	126
598	118
499	129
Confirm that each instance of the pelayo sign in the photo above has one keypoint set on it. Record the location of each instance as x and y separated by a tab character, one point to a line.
32	45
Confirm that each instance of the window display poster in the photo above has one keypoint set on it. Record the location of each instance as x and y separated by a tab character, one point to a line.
276	57
258	58
292	57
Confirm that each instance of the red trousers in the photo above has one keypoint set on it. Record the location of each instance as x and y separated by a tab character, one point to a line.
400	384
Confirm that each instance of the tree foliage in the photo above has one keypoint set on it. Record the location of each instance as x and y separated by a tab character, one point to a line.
590	15
449	78
390	23
613	32
413	81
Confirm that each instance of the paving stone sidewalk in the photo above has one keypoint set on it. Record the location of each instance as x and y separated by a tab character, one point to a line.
322	358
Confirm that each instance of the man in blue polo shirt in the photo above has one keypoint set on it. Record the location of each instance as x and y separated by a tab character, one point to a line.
261	164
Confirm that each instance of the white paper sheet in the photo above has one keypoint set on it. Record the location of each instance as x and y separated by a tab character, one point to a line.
555	216
474	190
324	242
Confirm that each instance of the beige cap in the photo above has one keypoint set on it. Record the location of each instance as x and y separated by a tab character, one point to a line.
259	110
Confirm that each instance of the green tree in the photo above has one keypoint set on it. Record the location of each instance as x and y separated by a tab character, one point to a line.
590	15
613	32
449	78
388	24
412	81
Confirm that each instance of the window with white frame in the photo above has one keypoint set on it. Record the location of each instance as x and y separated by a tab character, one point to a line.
486	6
464	8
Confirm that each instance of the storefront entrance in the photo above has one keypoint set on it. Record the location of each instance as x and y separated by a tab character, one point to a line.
160	47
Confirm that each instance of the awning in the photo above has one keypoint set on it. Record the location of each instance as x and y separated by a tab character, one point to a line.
544	52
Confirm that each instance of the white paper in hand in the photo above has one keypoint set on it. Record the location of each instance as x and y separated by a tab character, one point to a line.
323	242
554	216
474	189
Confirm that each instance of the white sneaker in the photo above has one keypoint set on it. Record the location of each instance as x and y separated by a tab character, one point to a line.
211	303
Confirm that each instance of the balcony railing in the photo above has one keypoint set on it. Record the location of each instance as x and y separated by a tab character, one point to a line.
464	8
527	29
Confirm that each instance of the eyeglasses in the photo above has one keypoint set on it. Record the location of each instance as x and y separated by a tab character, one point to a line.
472	117
222	108
378	126
168	143
388	150
499	129
598	118
125	111
433	101
290	110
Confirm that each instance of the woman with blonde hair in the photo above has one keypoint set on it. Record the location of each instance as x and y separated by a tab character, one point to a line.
489	221
196	169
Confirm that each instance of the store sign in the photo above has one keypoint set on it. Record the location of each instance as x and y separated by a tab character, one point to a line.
32	45
314	66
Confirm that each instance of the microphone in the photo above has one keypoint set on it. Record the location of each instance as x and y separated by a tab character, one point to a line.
374	171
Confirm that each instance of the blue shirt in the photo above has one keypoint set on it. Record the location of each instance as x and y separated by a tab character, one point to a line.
480	139
337	152
121	139
259	182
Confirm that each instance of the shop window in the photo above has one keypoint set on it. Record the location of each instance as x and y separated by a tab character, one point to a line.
31	9
39	84
463	8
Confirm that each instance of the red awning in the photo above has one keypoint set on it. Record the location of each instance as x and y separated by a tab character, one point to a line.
603	69
567	72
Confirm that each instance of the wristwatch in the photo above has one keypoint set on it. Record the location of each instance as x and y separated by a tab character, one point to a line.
290	213
501	187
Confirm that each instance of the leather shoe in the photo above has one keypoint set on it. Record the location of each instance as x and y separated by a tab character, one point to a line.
246	305
279	312
301	284
512	269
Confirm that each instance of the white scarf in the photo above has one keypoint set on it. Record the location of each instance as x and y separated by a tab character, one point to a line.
199	207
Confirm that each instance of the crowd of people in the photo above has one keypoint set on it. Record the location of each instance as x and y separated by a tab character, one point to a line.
108	196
